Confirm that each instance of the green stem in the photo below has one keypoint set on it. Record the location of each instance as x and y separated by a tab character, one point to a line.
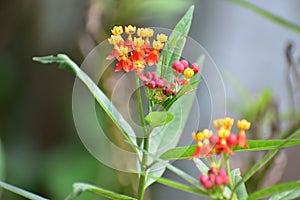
227	163
140	103
143	177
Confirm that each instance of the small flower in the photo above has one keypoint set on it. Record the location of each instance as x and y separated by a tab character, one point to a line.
189	73
153	56
130	29
218	123
223	133
161	38
124	62
243	124
117	30
227	123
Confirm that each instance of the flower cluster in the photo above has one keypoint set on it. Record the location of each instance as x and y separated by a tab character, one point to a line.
215	179
223	141
134	52
182	68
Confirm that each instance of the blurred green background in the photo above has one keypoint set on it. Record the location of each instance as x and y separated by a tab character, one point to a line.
42	151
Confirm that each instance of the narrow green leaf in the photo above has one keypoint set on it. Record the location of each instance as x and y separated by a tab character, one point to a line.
202	167
155	119
274	189
254	145
286	195
174	46
184	90
179	186
66	63
268	15
78	188
20	191
264	160
241	191
185	176
63	60
260	145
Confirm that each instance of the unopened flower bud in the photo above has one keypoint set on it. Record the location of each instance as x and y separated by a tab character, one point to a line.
185	63
231	139
195	67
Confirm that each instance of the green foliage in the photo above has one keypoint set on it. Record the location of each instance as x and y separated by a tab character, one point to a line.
274	190
241	191
286	194
264	160
185	152
174	46
179	186
21	192
66	63
155	119
201	166
268	15
78	188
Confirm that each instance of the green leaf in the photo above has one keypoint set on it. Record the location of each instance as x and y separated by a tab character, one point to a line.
268	15
202	167
179	186
167	137
66	63
78	188
274	189
241	191
254	145
21	192
63	60
286	195
155	119
264	160
174	46
184	90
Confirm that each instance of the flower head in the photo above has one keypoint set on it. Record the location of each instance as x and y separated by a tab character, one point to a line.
117	30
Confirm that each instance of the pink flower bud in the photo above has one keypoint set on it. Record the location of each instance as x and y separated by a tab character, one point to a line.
195	67
222	173
151	85
159	83
175	63
208	185
167	91
185	63
212	177
203	179
178	66
231	140
219	180
225	180
154	76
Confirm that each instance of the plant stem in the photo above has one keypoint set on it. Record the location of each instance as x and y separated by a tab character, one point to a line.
226	157
143	176
140	103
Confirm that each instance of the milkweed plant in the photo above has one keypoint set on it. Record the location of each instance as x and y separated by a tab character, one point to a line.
166	78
